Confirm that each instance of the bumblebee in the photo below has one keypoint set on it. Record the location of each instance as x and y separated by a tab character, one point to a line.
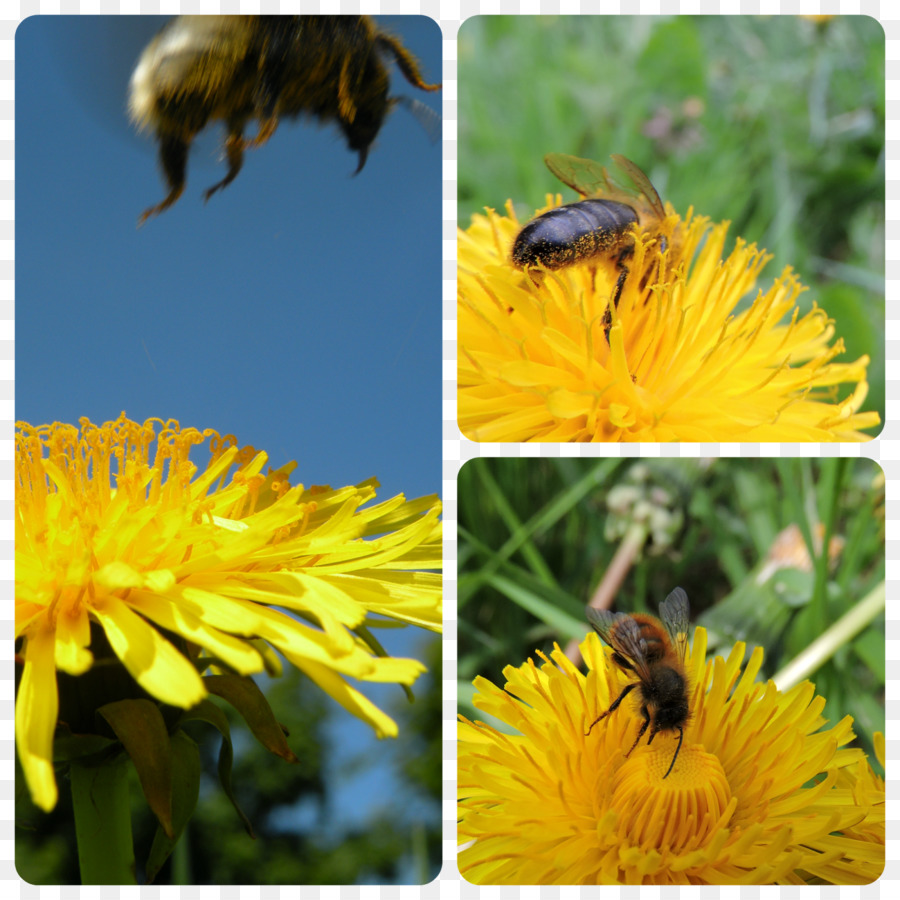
241	68
654	652
599	227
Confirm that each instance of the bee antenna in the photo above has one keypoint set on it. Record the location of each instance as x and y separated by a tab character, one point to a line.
424	115
677	749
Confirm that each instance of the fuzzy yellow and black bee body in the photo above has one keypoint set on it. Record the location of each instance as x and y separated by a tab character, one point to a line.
595	229
654	651
236	69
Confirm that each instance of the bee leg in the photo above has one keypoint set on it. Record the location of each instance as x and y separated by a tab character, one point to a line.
406	62
646	716
624	272
267	128
234	150
625	254
628	689
173	153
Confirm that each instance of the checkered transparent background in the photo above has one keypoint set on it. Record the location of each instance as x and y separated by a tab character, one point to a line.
456	449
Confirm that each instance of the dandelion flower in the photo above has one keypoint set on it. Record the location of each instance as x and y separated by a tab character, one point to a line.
867	790
543	357
125	554
758	794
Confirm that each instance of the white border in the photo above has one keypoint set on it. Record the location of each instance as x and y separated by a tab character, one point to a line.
457	449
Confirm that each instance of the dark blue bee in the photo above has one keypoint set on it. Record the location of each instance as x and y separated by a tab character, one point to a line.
596	228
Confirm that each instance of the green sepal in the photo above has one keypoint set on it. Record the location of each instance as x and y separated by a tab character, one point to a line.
185	791
207	711
250	702
71	747
139	725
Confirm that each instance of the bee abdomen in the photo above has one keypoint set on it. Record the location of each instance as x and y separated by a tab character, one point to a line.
576	231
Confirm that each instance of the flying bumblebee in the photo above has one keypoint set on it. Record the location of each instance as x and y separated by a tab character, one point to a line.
655	652
241	68
599	227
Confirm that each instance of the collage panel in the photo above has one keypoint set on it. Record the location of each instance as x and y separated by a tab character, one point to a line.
228	537
671	229
671	671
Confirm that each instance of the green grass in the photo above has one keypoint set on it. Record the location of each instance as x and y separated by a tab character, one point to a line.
775	123
537	535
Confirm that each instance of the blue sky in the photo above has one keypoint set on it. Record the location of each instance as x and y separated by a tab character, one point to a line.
300	309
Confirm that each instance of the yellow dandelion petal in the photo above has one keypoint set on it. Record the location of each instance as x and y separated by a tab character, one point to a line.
758	794
36	710
155	664
236	653
352	700
124	549
543	358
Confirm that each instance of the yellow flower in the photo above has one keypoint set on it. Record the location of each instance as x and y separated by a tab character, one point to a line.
867	790
124	547
679	362
758	794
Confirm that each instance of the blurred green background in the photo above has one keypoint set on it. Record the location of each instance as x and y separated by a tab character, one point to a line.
743	537
775	123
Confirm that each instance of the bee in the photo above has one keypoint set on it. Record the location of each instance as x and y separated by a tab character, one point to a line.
598	227
655	652
240	68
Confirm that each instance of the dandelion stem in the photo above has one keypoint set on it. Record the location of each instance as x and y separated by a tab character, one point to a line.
825	646
103	822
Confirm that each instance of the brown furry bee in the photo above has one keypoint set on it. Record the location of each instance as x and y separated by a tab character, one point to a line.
238	68
655	652
599	227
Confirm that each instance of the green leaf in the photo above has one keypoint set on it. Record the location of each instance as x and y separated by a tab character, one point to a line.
869	647
531	600
185	791
207	711
139	725
70	747
243	694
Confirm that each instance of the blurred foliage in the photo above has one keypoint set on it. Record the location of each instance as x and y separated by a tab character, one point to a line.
301	835
536	537
775	123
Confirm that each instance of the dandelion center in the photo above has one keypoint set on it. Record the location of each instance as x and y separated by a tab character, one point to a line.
676	813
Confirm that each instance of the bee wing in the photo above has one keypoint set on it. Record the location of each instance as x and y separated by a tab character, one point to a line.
623	634
587	177
676	616
643	185
591	179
